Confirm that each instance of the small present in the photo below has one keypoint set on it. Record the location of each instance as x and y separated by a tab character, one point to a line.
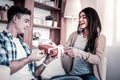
53	50
49	49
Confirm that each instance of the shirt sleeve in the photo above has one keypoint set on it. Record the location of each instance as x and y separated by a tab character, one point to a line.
4	56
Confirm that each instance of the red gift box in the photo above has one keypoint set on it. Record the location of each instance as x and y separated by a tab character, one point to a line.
49	49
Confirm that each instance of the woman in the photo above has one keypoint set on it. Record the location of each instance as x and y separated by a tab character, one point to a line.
87	46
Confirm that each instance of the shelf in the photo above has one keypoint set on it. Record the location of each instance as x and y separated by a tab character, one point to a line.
3	21
47	27
46	7
55	11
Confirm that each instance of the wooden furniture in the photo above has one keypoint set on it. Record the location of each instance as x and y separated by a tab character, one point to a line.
57	34
56	13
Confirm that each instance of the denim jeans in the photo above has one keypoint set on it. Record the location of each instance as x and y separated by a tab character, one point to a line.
88	77
74	77
66	77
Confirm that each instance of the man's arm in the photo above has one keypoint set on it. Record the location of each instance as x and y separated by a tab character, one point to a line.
41	68
18	64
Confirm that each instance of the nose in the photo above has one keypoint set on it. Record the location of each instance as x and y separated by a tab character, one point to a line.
80	19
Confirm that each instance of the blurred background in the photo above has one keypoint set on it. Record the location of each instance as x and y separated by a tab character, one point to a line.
109	13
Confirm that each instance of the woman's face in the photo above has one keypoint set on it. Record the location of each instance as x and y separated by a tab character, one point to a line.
83	20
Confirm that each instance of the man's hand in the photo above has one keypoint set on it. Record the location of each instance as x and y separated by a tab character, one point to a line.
37	55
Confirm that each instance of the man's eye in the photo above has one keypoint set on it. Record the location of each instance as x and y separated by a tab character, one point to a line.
26	21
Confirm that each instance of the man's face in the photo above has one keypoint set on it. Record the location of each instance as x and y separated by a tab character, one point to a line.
22	23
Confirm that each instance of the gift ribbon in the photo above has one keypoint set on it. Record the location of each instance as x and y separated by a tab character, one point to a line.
60	50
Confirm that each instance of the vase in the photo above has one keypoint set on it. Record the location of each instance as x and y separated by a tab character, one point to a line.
49	22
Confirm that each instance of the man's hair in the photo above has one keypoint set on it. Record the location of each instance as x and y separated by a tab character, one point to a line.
16	10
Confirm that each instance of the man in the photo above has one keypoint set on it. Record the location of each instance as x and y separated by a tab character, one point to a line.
14	52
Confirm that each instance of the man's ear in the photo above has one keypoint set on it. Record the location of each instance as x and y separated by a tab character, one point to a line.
15	19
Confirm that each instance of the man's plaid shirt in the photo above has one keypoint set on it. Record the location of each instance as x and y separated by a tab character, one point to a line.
8	49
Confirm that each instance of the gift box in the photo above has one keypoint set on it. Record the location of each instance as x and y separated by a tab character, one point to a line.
49	49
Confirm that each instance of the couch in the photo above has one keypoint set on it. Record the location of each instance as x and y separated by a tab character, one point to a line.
4	72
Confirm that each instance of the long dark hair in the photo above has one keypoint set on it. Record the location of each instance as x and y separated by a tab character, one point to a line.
94	28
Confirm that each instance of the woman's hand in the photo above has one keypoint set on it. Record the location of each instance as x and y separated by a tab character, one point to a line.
49	58
72	52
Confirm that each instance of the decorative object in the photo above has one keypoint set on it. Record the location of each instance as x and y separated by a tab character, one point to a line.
49	17
71	10
49	49
3	12
38	21
36	39
53	50
49	20
55	23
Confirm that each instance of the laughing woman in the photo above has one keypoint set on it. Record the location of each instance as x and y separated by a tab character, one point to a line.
86	46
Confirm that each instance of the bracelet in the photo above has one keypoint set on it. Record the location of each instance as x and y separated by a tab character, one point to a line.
44	64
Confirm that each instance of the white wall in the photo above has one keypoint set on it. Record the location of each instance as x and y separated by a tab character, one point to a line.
107	12
88	3
71	26
2	27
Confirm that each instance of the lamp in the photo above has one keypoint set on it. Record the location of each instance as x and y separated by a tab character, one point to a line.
72	8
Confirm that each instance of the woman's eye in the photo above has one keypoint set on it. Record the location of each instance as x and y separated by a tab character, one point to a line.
84	17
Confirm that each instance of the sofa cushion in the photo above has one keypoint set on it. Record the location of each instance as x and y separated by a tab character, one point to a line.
4	72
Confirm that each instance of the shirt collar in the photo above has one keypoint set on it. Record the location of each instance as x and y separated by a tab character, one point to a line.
7	33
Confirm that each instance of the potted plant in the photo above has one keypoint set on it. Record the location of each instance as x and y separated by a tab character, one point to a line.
49	20
49	17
